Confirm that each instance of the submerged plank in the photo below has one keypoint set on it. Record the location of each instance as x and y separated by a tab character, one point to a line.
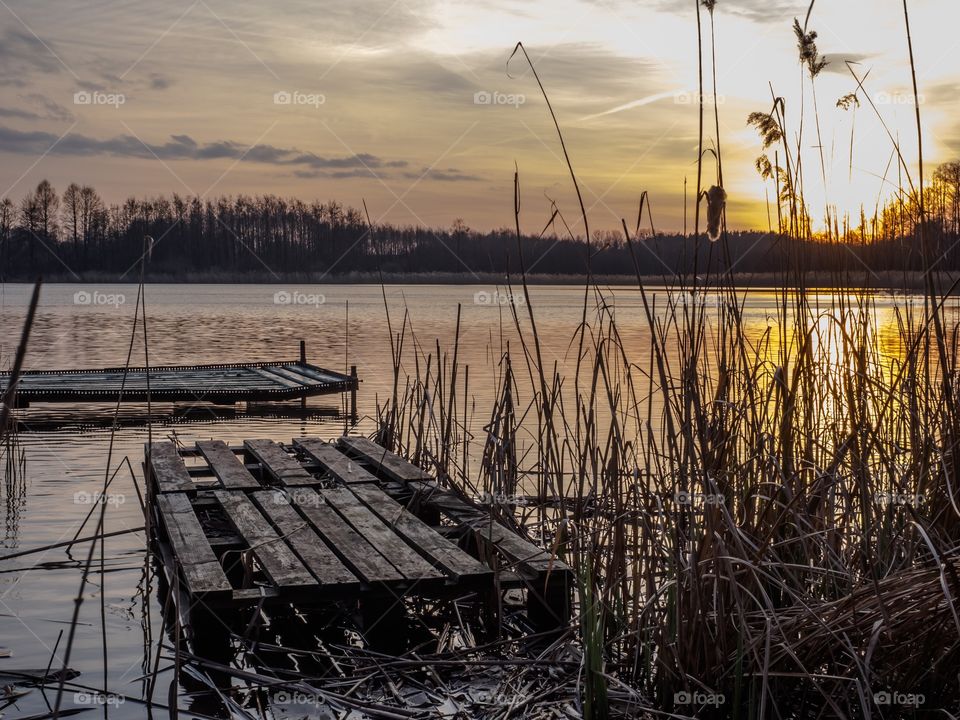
278	561
226	466
341	467
167	468
278	463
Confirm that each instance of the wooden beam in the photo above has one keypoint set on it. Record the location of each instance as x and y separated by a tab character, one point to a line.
167	469
404	558
201	569
339	466
226	466
431	544
358	554
281	466
305	542
278	561
391	465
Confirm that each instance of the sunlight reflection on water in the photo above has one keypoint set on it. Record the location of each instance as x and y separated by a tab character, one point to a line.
238	323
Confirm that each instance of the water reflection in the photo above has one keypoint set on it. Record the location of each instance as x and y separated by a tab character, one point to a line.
201	324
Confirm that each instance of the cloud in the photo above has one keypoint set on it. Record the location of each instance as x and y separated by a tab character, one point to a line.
335	175
649	100
19	114
21	54
582	70
837	62
373	23
159	82
760	11
447	175
51	110
183	147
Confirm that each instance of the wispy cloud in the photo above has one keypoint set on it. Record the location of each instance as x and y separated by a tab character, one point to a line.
21	55
184	147
650	99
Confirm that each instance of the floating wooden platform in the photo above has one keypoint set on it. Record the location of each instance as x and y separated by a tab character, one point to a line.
315	522
220	384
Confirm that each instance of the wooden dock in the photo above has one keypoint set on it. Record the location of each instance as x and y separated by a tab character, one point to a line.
218	384
315	522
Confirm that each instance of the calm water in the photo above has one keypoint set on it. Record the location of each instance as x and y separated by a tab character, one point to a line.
85	326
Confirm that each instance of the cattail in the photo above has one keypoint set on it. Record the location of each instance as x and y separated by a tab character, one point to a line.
716	200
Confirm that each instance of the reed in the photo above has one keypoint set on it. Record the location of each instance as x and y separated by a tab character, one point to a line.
764	522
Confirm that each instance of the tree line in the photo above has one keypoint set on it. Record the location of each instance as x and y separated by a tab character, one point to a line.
77	233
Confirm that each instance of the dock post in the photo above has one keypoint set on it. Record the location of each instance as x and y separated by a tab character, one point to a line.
353	395
303	361
549	601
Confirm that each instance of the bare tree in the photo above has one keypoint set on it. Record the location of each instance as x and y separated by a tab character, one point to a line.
47	204
7	219
71	213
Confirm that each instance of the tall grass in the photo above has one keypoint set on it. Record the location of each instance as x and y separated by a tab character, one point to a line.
764	522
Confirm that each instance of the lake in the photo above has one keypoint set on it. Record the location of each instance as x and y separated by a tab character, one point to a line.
85	326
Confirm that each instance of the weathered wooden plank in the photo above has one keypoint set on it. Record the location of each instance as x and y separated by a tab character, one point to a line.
340	466
200	567
282	467
314	374
291	376
167	468
277	560
226	466
421	536
404	558
304	541
513	546
362	558
222	382
277	379
390	464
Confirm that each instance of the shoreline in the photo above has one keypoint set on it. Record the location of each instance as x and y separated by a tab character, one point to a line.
912	280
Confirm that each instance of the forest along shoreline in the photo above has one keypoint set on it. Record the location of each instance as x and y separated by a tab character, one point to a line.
894	281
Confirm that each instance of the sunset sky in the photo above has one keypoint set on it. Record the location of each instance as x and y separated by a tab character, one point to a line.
384	105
